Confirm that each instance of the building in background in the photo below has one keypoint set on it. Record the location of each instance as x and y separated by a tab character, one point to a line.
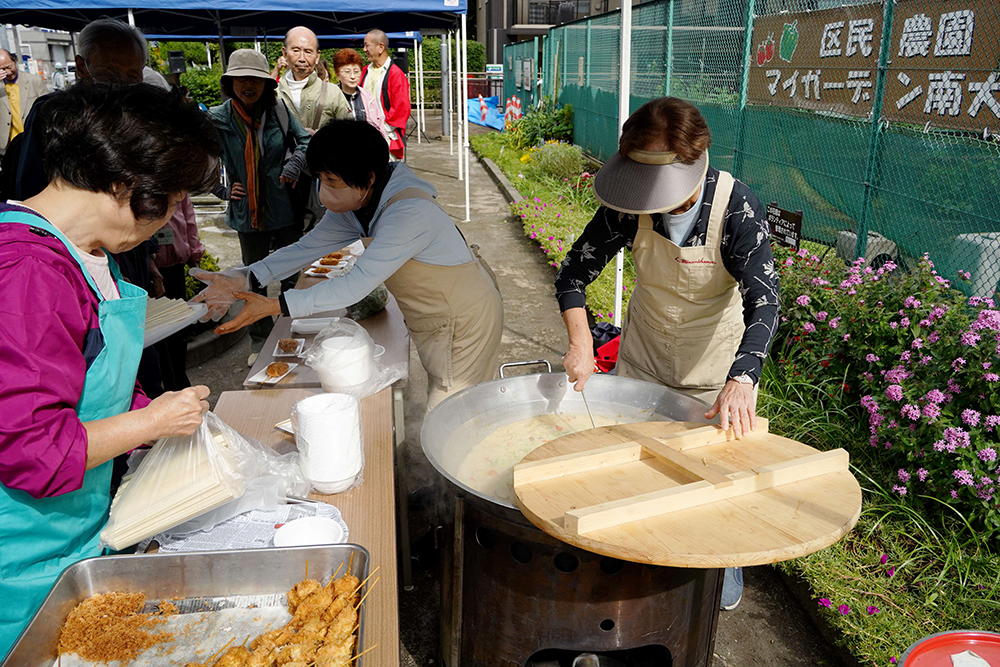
40	50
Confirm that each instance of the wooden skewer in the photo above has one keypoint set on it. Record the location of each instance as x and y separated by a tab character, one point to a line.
212	657
245	641
307	568
350	562
366	579
337	572
362	653
358	605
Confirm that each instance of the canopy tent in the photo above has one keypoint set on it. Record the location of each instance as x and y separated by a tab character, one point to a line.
256	19
239	18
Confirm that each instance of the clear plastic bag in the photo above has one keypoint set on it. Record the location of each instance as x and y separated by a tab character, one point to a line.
330	441
347	361
370	305
184	477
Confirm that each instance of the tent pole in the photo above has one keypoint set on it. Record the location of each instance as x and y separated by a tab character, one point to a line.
458	102
131	17
416	82
465	112
624	95
423	89
208	52
446	92
222	49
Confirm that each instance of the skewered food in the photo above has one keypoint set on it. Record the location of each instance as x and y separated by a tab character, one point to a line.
277	369
321	269
288	345
322	632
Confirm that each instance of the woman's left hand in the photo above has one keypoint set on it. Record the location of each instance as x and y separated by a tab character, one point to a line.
737	406
286	181
257	308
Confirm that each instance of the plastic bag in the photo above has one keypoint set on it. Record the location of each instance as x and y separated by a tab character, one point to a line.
184	477
346	360
330	442
370	305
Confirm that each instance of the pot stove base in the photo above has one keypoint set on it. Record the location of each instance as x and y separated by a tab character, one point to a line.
513	596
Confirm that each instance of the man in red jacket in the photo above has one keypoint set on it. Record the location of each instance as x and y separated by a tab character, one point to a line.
388	84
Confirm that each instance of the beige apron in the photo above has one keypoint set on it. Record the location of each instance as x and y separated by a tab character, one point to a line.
685	319
454	315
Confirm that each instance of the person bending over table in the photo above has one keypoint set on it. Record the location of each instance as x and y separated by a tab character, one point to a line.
449	299
73	329
705	306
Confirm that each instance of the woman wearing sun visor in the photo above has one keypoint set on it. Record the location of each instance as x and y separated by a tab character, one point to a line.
705	306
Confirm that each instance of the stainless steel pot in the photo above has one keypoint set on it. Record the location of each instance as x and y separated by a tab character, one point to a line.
512	595
461	421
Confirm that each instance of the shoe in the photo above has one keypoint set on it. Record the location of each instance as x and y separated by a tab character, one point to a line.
251	359
732	588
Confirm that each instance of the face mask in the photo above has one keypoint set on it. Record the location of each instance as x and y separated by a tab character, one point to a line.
341	200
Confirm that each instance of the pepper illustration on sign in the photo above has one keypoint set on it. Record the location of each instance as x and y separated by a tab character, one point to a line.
789	40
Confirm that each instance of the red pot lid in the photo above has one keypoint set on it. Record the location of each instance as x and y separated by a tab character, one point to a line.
936	650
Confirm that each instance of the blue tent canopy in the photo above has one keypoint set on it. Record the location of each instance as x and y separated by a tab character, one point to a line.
404	39
241	19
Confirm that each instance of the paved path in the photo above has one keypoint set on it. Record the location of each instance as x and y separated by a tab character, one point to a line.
768	628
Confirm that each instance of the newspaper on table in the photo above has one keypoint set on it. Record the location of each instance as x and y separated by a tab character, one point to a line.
251	530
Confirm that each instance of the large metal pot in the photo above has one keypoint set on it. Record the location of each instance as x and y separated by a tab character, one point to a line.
461	421
514	596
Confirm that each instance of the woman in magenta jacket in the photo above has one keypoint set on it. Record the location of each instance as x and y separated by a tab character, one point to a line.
118	160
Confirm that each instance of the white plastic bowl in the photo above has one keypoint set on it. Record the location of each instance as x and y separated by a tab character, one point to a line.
309	531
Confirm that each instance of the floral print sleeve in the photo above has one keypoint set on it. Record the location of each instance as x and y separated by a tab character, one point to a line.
746	253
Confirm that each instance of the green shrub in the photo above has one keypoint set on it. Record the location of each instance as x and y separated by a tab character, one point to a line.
203	84
920	358
559	160
544	123
192	285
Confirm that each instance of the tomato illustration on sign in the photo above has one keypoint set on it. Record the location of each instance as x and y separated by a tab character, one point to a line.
765	50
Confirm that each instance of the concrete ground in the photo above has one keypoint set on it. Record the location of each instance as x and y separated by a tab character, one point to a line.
768	628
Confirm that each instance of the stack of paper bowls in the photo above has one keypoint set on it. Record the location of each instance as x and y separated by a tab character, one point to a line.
328	437
346	363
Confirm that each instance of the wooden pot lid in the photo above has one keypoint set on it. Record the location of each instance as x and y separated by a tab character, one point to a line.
683	494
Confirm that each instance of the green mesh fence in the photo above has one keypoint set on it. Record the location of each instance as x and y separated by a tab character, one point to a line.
520	66
922	178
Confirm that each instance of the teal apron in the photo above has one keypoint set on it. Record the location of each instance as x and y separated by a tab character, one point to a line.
39	538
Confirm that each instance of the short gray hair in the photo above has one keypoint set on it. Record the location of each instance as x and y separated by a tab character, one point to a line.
107	31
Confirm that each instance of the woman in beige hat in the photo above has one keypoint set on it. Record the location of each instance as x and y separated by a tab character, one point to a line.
256	131
705	306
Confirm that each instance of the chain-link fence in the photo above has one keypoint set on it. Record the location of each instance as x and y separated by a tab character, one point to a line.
520	81
877	120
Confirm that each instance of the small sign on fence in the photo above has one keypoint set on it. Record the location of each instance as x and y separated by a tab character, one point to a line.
786	226
494	70
518	72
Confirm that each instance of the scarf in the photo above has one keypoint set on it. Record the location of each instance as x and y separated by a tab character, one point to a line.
251	154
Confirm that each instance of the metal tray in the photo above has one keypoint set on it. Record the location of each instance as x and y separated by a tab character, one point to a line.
208	580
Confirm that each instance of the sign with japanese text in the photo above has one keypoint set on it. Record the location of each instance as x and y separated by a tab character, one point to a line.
942	62
786	226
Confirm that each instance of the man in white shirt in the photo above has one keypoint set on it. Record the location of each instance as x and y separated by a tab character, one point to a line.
388	84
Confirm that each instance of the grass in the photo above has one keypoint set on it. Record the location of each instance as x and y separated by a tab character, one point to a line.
553	213
938	573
